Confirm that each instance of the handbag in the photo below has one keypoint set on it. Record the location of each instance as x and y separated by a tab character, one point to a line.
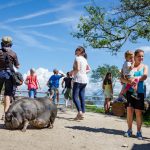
17	77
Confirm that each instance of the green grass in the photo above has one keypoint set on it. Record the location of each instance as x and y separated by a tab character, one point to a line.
146	118
93	108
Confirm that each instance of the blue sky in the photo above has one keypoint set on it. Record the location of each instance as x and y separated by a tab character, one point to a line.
41	33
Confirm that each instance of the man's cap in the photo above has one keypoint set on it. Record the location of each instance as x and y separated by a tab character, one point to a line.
6	39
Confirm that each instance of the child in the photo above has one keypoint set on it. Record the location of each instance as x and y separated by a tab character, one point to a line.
128	73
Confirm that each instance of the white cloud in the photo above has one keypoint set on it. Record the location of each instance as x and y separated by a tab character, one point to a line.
11	4
146	49
53	38
63	7
30	41
59	21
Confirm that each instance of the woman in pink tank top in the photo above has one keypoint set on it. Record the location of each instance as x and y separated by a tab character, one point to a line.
32	83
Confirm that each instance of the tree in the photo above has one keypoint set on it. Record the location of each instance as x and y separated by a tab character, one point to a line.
100	72
101	29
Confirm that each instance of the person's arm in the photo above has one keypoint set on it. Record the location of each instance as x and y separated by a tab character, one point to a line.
38	84
16	62
88	69
76	68
144	76
123	80
132	66
112	88
62	75
72	81
103	87
62	84
26	81
48	82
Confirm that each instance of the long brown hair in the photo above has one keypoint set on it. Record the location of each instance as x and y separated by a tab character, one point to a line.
138	51
107	80
82	50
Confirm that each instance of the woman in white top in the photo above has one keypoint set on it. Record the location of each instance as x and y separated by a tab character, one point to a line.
80	69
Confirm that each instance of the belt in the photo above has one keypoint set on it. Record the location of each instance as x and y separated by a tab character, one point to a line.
5	69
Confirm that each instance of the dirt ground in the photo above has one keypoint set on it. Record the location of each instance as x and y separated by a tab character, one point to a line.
95	132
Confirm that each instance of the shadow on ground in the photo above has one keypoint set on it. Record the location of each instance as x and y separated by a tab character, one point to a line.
141	146
103	130
69	119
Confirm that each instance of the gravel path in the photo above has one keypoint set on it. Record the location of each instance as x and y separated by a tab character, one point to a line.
95	132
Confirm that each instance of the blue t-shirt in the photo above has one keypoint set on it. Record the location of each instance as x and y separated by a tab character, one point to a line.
141	88
54	81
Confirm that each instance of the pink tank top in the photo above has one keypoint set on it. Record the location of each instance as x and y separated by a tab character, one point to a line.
32	82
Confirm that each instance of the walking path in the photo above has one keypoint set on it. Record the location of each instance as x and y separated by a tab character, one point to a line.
95	132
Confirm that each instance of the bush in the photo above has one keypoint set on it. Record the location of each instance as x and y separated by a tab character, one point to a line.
146	118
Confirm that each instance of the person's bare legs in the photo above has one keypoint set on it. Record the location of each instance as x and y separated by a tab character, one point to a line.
107	105
138	119
57	97
130	112
51	95
7	100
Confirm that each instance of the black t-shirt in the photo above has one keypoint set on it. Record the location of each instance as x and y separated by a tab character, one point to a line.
67	82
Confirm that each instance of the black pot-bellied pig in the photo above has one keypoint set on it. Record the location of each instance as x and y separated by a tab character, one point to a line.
39	113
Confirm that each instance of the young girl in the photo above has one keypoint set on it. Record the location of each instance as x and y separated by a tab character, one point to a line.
108	91
128	73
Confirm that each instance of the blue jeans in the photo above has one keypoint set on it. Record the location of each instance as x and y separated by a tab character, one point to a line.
79	96
32	93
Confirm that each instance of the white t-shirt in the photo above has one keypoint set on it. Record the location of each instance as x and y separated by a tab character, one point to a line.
126	70
81	76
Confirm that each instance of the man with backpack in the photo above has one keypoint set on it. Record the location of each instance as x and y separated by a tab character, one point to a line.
7	57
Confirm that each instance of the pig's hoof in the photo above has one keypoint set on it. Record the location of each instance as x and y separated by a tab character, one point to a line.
23	130
51	126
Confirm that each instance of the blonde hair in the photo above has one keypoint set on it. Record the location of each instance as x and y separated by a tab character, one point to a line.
128	54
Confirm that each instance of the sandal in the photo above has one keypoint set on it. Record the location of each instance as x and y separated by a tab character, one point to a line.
79	117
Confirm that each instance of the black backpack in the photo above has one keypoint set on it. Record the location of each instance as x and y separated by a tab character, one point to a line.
17	78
